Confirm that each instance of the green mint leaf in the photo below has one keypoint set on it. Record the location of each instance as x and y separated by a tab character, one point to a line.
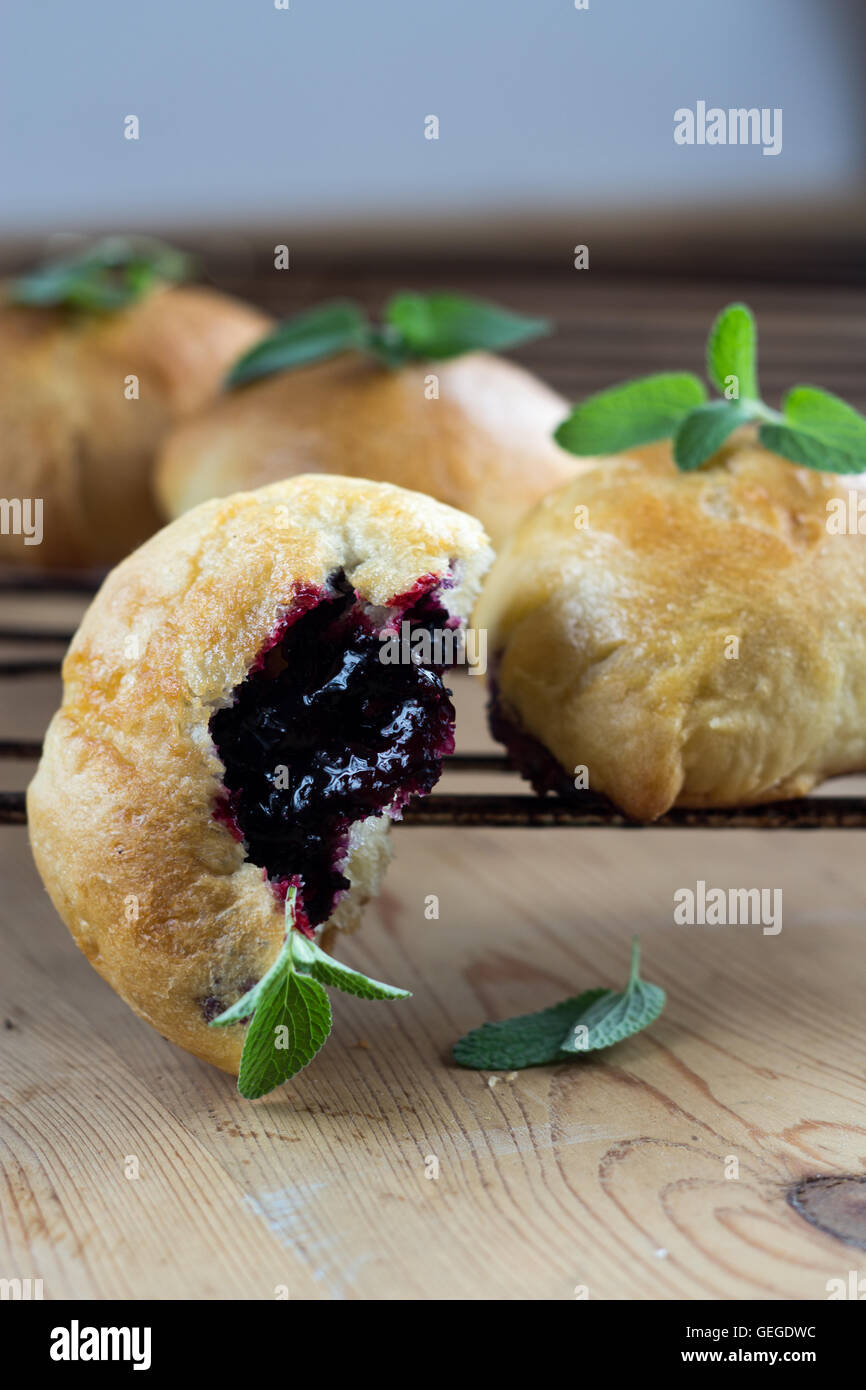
732	349
595	1019
820	413
107	277
637	412
703	432
531	1040
311	337
439	326
249	1002
311	959
799	446
289	1026
388	346
616	1016
291	1015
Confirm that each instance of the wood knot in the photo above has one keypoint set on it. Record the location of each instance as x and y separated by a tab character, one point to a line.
836	1205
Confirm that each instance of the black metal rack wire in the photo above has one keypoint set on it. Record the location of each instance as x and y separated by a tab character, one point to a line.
494	810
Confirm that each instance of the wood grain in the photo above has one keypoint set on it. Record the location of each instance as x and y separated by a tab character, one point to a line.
608	1174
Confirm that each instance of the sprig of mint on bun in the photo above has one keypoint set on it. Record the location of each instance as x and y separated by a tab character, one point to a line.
814	428
104	278
414	327
291	1013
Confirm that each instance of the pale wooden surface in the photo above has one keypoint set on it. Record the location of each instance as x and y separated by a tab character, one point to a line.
572	1175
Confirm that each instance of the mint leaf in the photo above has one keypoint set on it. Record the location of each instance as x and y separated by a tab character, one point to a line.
595	1019
702	433
816	429
415	327
108	276
637	412
531	1040
311	959
311	337
290	1024
446	325
799	446
617	1016
835	422
732	351
249	1002
291	1015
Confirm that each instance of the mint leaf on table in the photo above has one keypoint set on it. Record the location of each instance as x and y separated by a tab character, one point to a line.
312	337
617	1016
596	1019
288	1010
109	276
814	428
530	1040
637	412
732	350
415	328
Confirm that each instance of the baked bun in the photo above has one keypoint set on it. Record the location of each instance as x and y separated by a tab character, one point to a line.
484	445
691	639
228	728
70	436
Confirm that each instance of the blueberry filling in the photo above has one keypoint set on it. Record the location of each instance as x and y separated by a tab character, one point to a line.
322	733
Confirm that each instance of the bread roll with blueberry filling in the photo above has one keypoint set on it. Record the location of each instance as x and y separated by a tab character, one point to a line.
228	729
691	639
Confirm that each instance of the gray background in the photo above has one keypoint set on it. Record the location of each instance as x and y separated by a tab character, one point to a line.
315	115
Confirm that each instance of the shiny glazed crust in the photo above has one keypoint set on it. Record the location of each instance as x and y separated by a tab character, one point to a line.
484	445
69	435
612	636
156	891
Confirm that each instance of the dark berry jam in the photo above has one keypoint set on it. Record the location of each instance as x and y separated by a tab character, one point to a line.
322	733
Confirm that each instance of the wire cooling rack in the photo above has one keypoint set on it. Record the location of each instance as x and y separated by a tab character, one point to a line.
496	810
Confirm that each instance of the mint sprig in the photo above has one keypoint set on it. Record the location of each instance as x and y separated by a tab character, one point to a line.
106	277
288	1010
814	427
415	327
595	1019
637	412
322	332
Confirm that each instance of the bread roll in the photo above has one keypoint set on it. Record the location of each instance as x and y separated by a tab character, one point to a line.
228	728
483	445
691	639
73	435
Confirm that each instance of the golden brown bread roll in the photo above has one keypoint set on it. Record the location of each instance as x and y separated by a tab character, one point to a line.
228	729
484	445
68	434
691	638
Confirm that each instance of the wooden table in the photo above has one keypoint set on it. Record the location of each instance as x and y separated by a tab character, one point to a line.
658	1170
